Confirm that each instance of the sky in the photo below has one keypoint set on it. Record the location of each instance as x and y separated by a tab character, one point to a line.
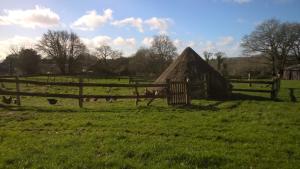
126	25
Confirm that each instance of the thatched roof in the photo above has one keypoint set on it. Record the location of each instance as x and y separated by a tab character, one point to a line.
190	65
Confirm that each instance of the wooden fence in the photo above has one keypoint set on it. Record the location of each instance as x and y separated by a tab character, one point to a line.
273	90
175	92
139	79
80	96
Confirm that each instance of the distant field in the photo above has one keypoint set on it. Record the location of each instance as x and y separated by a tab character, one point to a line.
240	133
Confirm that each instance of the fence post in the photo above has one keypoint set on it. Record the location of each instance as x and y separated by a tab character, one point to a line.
130	79
80	100
272	90
18	90
168	91
137	94
275	88
249	79
188	96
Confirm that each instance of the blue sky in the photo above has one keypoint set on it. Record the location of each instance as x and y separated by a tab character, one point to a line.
213	25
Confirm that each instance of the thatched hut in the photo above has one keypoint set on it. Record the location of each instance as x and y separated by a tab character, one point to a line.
292	73
190	65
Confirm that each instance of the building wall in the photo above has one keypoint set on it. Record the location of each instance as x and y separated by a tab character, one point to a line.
291	75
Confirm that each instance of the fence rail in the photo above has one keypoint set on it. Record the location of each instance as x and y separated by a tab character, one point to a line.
252	81
274	86
74	84
74	96
176	92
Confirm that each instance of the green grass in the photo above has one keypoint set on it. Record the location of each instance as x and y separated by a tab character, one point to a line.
209	134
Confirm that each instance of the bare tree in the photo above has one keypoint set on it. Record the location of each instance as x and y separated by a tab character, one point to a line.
296	47
116	54
15	49
63	47
163	47
105	52
207	56
273	39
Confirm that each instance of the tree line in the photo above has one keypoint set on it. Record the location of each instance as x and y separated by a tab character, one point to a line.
273	45
67	54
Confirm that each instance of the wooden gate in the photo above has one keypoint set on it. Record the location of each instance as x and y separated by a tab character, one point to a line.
178	93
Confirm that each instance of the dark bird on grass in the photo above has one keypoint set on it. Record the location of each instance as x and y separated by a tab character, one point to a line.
3	86
7	100
52	101
110	99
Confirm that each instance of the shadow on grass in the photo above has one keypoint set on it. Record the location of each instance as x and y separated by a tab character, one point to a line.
55	109
37	109
241	96
210	107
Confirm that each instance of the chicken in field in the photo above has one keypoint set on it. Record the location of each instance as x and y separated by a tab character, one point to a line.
7	100
149	92
3	86
52	101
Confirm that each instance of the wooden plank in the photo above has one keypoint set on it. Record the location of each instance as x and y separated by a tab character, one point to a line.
85	84
74	96
252	81
18	91
181	93
168	91
252	90
137	95
80	100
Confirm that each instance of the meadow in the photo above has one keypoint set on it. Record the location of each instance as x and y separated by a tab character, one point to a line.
244	132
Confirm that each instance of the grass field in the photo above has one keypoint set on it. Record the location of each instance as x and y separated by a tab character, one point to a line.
239	133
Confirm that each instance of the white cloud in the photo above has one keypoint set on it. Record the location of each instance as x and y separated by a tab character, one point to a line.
16	41
147	41
160	24
96	41
134	22
102	40
225	41
92	20
126	45
181	44
225	44
177	43
119	41
31	18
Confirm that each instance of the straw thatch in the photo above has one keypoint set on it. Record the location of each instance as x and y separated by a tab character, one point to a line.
190	65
